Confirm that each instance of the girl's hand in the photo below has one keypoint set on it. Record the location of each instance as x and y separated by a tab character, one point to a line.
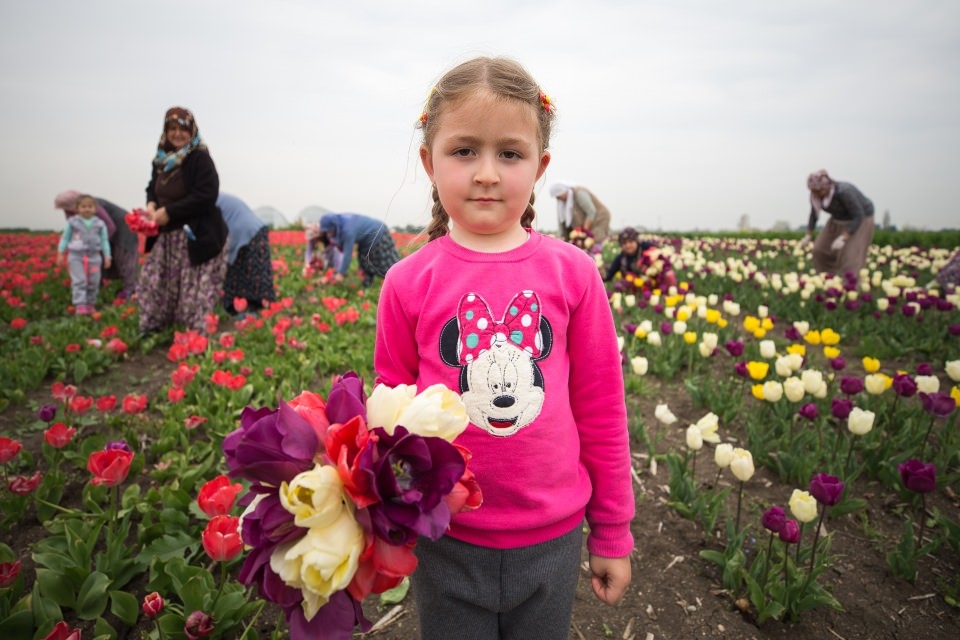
338	277
611	577
107	262
151	206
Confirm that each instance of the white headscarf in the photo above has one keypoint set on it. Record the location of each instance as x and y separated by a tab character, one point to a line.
565	206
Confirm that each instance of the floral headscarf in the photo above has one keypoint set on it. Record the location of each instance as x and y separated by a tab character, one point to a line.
168	158
819	181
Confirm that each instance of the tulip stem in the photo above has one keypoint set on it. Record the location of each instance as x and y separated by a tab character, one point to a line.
846	464
799	540
739	502
923	520
816	536
926	436
693	470
223	578
766	564
786	572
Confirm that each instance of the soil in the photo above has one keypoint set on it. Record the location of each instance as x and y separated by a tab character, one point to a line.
675	594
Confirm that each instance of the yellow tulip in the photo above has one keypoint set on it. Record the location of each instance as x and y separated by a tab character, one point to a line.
757	391
831	352
690	337
640	333
722	322
871	365
759	333
812	337
712	316
758	370
799	349
955	394
829	337
751	324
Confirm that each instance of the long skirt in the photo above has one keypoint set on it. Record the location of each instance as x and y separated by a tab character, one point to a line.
377	257
852	257
124	267
172	291
251	275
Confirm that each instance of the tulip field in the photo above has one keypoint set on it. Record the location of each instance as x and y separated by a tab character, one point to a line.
794	435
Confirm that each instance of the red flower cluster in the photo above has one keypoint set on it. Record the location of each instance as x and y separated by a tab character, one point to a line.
138	222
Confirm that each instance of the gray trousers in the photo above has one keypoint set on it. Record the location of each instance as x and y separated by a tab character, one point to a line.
85	270
469	592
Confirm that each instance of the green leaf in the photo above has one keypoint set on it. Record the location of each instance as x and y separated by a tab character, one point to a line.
17	625
46	612
125	606
397	594
92	599
54	587
103	631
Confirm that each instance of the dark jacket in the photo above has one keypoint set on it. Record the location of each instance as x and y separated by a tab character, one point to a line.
198	208
847	205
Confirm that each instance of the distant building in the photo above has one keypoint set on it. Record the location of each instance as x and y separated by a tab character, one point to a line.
272	217
313	213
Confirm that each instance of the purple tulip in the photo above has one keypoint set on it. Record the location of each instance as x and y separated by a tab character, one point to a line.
904	385
270	446
346	399
840	408
851	305
838	364
851	386
630	329
48	412
666	328
938	404
944	305
740	368
809	411
908	310
335	620
953	329
830	305
917	476
826	489
412	504
120	445
198	625
734	348
791	333
774	518
910	296
790	533
924	369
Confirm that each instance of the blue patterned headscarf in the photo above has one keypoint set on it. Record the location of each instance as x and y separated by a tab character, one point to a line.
168	158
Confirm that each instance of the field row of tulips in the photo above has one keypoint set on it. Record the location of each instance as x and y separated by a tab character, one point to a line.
826	383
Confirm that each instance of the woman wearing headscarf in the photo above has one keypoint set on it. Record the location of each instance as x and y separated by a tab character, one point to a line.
182	278
578	208
842	246
123	242
376	251
249	268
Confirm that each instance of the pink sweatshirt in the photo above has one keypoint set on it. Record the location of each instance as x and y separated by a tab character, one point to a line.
528	339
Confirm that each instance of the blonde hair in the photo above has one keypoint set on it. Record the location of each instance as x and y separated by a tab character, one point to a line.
506	79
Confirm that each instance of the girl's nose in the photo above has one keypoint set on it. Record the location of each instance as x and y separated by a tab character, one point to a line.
486	172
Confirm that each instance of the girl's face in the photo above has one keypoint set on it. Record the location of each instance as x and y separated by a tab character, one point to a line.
178	135
86	208
630	247
485	159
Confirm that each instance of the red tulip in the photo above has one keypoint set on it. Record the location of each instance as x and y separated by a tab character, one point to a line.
193	422
59	435
62	631
109	468
9	448
217	496
18	323
221	539
175	394
134	404
198	625
152	604
116	346
8	573
106	403
240	304
81	404
23	485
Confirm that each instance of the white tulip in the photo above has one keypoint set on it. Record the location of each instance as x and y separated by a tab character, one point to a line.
860	422
768	349
639	365
742	464
928	384
723	455
953	370
694	438
772	391
664	415
793	389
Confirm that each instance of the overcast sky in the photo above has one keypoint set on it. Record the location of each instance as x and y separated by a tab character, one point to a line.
678	114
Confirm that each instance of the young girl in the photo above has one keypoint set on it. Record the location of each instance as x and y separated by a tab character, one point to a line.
628	260
519	324
85	238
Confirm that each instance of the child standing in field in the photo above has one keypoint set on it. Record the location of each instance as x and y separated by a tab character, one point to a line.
519	324
83	240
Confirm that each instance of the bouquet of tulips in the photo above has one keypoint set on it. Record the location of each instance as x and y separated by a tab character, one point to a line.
340	491
138	222
582	238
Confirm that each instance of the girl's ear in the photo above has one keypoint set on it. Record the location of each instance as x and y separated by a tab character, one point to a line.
544	161
426	159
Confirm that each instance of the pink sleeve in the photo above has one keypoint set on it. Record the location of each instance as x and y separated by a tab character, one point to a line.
395	356
599	407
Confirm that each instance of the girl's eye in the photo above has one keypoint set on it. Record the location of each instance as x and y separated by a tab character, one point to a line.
511	155
463	153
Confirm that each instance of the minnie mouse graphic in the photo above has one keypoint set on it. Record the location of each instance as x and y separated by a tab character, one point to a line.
500	382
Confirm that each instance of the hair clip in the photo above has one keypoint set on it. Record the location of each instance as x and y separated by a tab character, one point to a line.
426	105
546	103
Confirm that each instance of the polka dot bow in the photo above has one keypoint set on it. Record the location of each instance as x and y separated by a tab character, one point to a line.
479	331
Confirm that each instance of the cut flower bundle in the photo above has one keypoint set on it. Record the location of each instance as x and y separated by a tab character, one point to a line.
341	490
